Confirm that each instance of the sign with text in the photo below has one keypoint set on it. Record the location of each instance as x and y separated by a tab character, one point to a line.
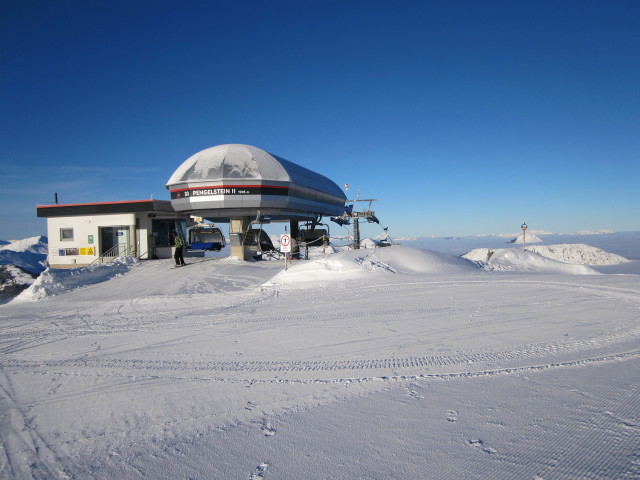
285	243
229	190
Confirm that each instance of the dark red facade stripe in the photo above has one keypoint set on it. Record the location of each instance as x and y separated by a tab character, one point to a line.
99	203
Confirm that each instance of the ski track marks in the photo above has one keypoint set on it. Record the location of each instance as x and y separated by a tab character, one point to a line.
22	335
130	317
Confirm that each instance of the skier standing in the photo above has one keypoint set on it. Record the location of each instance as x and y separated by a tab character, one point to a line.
177	243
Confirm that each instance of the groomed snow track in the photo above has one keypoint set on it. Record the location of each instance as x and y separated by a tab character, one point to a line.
246	349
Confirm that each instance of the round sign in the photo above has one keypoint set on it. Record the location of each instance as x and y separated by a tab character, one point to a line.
285	243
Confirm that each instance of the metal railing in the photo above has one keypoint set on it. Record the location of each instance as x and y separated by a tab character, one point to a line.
120	250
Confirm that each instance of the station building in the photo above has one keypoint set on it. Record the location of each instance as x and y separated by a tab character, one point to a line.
244	185
237	184
81	234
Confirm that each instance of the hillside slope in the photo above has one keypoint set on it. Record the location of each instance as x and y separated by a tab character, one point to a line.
30	254
565	258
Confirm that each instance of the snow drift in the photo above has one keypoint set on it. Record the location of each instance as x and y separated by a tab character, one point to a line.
577	253
56	281
351	264
516	260
333	266
572	259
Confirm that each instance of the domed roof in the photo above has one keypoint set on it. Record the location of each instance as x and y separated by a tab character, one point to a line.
238	162
231	181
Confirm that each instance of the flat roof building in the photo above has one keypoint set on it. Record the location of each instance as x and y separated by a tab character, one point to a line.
83	233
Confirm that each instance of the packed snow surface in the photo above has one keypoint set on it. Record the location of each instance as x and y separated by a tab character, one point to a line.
393	363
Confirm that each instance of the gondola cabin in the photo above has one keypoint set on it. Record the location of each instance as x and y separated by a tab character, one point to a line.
205	238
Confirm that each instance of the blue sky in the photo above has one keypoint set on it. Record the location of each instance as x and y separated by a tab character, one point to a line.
461	117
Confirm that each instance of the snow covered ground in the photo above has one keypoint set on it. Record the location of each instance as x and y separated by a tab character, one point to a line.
392	363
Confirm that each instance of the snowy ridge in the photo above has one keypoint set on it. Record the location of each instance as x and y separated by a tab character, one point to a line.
13	280
529	238
516	260
530	232
36	244
569	254
20	262
30	254
590	232
577	253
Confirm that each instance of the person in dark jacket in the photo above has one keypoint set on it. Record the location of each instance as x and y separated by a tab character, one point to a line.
177	243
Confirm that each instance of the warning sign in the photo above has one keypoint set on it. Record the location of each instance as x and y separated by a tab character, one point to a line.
285	243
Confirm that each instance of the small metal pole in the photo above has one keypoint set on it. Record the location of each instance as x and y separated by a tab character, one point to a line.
356	234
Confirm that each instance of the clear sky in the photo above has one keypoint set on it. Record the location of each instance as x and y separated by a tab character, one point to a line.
461	118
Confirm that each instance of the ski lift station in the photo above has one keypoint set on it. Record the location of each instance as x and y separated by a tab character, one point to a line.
242	185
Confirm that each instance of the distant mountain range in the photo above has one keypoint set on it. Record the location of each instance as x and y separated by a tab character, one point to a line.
21	261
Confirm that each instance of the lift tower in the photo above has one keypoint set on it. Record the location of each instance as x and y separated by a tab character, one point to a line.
368	215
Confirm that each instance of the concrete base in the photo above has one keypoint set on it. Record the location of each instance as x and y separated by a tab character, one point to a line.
237	229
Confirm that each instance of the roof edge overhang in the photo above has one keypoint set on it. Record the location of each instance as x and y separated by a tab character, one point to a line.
104	208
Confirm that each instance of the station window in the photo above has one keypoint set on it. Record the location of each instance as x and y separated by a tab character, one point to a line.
66	234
